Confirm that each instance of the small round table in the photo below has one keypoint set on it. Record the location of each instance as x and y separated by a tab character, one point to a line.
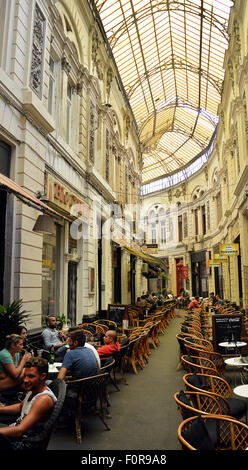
236	345
239	362
242	391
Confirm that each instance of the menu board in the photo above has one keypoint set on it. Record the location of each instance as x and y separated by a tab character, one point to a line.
227	328
117	313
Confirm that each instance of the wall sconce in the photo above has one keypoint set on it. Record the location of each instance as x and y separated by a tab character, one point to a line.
44	224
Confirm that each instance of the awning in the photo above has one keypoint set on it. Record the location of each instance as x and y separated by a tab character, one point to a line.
10	186
152	260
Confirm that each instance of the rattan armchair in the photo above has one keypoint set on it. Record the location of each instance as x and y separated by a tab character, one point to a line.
193	403
108	365
230	433
200	342
218	387
91	394
215	357
110	323
199	365
210	383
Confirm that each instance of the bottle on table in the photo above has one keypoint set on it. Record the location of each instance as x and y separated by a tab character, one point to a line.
51	356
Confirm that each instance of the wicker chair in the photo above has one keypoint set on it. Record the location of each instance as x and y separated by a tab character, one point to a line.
89	335
215	357
200	342
218	387
191	403
109	366
96	329
132	355
111	324
91	394
198	364
230	433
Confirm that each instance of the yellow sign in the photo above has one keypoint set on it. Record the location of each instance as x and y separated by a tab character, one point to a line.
222	258
229	249
214	263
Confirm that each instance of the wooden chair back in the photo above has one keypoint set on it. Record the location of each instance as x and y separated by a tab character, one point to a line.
110	323
199	365
212	384
216	358
231	433
91	393
200	403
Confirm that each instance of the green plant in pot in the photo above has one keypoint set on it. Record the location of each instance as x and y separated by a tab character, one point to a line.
11	317
60	321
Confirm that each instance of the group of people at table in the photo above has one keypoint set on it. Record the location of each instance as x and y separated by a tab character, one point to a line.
27	375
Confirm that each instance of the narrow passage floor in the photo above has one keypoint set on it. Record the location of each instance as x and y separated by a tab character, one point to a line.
144	413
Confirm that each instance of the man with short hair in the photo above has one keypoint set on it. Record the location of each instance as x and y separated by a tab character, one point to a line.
80	360
212	298
219	301
194	303
111	344
34	410
54	338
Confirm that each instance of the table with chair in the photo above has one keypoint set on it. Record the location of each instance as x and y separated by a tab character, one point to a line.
211	411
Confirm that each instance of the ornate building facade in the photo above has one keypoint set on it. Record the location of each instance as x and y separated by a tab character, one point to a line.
68	138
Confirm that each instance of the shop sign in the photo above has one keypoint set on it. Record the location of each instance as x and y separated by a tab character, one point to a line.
229	249
64	198
214	263
218	257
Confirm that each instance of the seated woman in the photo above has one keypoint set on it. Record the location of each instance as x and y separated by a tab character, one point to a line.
23	332
11	367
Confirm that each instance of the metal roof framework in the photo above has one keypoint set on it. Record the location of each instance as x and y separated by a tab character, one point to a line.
170	59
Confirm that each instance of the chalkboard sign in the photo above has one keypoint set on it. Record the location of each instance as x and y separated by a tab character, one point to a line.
117	313
227	328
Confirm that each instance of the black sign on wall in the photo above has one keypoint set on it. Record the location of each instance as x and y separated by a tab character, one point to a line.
227	328
117	313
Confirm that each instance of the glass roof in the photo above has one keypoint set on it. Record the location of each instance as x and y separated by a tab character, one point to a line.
170	58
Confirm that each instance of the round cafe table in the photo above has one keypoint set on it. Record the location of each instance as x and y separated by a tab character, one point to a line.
233	344
242	391
241	363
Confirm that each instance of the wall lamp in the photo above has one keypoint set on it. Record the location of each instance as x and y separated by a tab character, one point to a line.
45	225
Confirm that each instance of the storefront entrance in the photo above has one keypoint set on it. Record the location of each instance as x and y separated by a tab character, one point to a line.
199	274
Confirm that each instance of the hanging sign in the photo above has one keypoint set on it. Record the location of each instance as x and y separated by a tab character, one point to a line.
221	258
229	249
214	263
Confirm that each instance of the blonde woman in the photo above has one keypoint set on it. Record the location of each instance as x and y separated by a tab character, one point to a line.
11	366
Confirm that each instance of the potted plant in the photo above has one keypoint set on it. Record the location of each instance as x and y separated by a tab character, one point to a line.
11	317
60	321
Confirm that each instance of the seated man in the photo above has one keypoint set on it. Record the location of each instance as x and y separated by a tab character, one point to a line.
111	344
80	360
34	410
194	303
54	338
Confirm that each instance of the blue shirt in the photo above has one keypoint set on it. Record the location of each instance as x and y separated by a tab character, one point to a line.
81	362
51	337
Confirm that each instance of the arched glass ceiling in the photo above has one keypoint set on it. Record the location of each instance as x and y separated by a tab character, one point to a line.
170	59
